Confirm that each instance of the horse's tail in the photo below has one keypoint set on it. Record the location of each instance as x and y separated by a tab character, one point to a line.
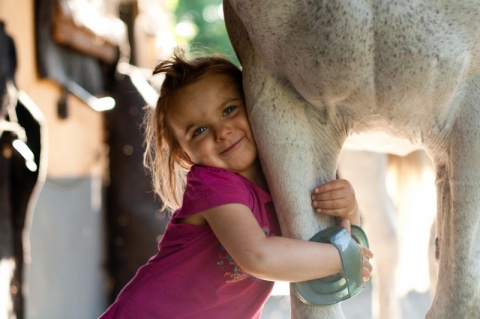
407	174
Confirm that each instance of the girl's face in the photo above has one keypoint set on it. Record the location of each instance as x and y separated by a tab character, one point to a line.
209	120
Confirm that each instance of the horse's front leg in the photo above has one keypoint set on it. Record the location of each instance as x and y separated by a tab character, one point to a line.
297	153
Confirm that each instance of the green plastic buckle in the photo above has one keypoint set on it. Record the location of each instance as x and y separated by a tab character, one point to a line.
336	288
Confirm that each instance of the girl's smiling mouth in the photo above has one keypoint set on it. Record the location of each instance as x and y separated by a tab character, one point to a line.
232	147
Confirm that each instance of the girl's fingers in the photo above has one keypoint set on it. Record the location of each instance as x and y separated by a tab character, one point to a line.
367	269
332	185
367	253
367	266
331	195
333	212
342	211
366	274
334	203
331	204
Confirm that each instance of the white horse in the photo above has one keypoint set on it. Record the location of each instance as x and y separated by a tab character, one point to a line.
317	71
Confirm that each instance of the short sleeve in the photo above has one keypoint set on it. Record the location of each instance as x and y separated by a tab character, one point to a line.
208	187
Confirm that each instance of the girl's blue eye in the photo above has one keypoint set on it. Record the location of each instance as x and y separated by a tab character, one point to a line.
228	110
199	131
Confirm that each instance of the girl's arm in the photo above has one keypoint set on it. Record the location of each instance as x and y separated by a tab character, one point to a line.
270	258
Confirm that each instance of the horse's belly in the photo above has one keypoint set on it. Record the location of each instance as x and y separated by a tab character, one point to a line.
391	59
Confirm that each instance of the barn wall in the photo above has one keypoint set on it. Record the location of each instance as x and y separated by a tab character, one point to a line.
66	235
65	278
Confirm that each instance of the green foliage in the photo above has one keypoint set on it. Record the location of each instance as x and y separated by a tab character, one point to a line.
204	26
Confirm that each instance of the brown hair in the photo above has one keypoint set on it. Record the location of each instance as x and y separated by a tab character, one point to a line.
163	155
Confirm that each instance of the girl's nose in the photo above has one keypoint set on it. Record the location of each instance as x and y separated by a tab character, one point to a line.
222	132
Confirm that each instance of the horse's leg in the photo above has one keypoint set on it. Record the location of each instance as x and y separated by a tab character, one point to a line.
432	261
367	173
294	160
458	223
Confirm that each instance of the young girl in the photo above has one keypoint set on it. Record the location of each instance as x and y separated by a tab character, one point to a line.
222	249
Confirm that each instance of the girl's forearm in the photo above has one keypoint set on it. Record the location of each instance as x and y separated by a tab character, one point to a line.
285	259
270	258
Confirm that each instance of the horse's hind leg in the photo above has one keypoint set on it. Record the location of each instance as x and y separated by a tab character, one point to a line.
458	223
367	173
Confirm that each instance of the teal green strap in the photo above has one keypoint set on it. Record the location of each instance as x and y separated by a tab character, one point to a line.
336	288
359	235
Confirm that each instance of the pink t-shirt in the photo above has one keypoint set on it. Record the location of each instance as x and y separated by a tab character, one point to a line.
192	276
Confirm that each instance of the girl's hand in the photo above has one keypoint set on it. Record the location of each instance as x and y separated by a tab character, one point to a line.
335	198
367	267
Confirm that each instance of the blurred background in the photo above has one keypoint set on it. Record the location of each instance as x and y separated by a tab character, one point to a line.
77	213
